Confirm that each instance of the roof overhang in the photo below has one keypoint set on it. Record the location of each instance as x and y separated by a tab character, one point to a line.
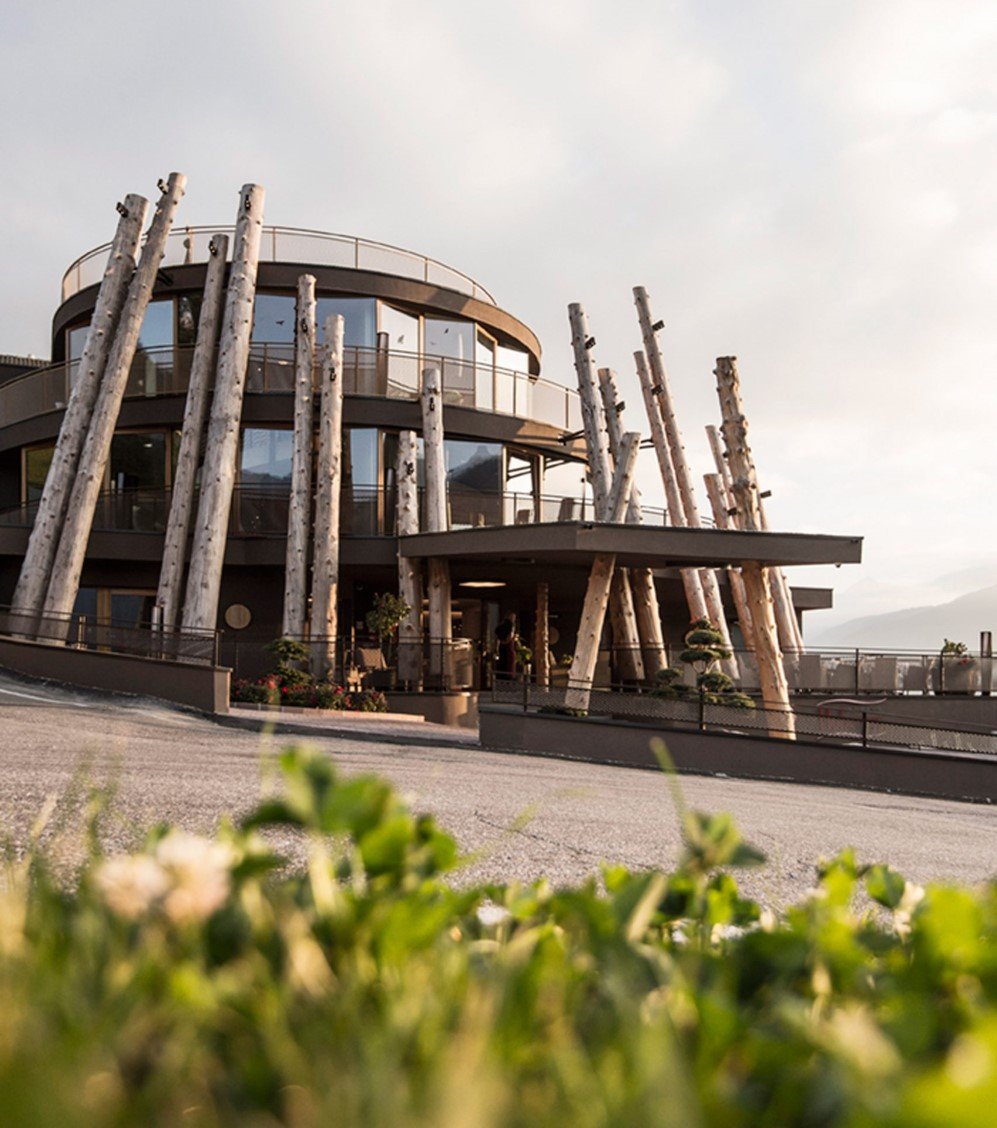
576	543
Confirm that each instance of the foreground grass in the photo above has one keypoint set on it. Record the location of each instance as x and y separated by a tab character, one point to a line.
190	983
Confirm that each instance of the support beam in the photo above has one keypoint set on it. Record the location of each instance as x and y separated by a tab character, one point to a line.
641	580
438	570
36	567
683	477
771	673
582	672
202	367
719	503
221	450
68	564
409	569
328	485
299	510
691	581
541	636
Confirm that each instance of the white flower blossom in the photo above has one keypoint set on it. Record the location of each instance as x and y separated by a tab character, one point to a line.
491	914
199	875
130	885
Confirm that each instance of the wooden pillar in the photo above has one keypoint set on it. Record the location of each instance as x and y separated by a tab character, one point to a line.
663	398
541	636
409	568
221	450
720	505
596	600
68	563
691	581
299	510
438	570
202	367
629	663
328	485
790	635
36	567
641	580
772	675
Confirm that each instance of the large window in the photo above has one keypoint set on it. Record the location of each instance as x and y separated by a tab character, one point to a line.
564	491
266	458
273	319
474	482
359	314
399	334
512	382
360	498
36	466
138	461
452	343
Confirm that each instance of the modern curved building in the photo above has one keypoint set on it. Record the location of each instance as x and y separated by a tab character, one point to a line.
519	503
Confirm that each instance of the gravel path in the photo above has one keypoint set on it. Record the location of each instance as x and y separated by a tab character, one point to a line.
171	766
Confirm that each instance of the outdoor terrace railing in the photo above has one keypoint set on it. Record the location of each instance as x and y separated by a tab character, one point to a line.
862	727
112	636
367	372
291	245
365	511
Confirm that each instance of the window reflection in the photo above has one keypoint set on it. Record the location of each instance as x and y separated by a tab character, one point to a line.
400	336
452	345
360	498
265	479
36	466
137	480
360	328
474	482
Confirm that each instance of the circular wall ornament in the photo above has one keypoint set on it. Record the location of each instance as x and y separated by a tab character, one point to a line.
238	616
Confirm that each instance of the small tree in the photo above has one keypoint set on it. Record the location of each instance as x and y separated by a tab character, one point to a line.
386	616
704	650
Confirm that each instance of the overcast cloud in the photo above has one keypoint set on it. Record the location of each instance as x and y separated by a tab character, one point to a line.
812	187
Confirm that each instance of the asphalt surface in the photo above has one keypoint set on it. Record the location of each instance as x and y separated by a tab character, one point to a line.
170	766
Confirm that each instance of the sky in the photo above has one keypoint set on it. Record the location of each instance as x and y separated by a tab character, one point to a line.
811	187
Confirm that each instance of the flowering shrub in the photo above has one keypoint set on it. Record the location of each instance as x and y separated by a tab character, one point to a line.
289	685
198	982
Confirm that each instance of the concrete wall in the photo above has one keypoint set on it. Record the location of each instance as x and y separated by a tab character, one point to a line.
201	687
600	741
957	710
459	710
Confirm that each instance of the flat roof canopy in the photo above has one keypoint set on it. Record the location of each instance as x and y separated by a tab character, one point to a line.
576	543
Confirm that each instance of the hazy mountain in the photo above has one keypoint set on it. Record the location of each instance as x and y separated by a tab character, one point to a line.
919	628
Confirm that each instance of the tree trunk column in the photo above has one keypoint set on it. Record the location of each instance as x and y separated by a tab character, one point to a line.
438	570
222	448
719	504
541	636
36	567
192	436
325	566
68	564
409	568
299	510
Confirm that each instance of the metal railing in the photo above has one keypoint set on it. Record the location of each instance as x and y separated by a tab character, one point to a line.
862	728
291	245
82	632
366	372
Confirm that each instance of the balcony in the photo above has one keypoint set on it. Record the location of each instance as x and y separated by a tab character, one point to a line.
367	372
292	245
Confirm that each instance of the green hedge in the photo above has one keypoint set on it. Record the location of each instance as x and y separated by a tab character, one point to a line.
197	982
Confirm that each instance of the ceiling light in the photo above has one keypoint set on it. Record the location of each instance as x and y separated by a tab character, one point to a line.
482	584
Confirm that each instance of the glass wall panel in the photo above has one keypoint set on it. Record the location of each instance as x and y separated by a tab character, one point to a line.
399	333
360	501
36	466
152	368
484	375
138	480
273	319
360	315
188	315
521	489
75	340
390	479
453	344
474	482
264	479
565	491
517	390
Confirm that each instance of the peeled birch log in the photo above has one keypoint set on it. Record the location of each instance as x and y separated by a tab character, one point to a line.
596	601
438	571
683	477
771	673
299	510
36	567
409	568
192	436
641	580
541	636
329	482
68	564
221	450
719	503
691	581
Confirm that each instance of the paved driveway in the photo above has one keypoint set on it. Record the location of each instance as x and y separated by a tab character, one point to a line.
172	766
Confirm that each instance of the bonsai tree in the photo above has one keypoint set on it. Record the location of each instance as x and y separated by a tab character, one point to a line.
704	650
289	653
386	616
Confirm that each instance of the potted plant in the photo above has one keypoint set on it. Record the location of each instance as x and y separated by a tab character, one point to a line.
384	619
956	670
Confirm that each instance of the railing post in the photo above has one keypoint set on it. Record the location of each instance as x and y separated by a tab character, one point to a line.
857	689
81	632
216	648
526	687
941	671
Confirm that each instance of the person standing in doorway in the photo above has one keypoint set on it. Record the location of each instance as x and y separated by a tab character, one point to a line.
507	638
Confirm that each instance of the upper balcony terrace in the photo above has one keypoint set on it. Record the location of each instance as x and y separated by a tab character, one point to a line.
189	245
384	373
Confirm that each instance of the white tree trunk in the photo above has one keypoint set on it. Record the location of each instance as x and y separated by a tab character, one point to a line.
299	510
221	450
541	636
409	568
596	601
168	597
691	581
683	477
771	673
329	483
641	580
438	571
719	503
36	567
68	564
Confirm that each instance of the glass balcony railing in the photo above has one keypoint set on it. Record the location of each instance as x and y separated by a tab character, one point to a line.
367	372
292	245
365	511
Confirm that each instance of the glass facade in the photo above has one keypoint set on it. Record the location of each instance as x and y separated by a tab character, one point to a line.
359	315
37	461
266	457
138	461
474	482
